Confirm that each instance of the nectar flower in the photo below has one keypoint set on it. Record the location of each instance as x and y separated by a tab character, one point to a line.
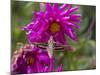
54	21
31	59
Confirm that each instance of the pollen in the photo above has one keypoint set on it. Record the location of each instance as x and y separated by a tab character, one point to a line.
54	27
30	60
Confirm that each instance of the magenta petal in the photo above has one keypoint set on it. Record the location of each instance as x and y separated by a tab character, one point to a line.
44	27
29	70
69	11
55	6
75	16
72	10
43	56
34	37
69	24
65	18
59	37
39	67
28	27
48	7
36	26
46	69
41	16
51	67
59	69
36	14
64	6
70	33
45	37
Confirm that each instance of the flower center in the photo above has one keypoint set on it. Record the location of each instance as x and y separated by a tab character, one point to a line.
54	27
30	60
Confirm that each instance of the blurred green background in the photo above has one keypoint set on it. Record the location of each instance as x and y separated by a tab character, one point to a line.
83	58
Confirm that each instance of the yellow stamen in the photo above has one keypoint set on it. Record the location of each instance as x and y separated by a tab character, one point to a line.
54	27
30	60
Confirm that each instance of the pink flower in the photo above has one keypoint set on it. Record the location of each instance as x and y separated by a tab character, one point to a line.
31	59
54	21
